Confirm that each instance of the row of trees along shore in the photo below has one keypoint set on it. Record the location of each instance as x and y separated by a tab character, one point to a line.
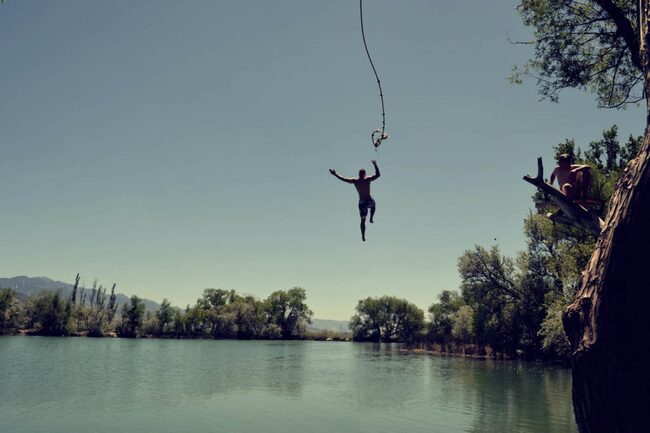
216	314
509	307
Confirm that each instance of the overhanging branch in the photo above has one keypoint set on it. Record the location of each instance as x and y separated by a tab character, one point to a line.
624	28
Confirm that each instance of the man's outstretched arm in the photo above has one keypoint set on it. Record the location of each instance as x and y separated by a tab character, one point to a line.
344	179
377	173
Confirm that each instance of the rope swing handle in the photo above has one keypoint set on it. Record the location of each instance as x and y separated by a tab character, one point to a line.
378	135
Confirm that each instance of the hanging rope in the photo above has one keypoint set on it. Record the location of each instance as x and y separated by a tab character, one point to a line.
378	135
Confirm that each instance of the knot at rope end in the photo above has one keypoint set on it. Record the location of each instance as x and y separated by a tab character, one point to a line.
378	136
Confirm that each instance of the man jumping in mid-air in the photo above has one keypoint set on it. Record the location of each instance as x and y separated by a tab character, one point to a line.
362	184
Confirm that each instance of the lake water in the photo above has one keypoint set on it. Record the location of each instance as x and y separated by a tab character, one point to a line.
71	385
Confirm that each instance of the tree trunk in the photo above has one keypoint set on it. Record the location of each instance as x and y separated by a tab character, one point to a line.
608	322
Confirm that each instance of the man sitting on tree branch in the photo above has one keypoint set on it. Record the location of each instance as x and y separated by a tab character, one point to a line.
572	179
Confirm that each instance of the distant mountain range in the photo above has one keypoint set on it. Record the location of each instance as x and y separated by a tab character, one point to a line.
28	286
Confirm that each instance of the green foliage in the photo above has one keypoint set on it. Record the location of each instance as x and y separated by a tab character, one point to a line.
487	274
442	315
225	314
563	251
95	316
608	155
95	320
151	324
218	305
94	312
179	325
490	286
368	323
590	45
196	322
608	159
217	313
557	253
463	325
112	304
516	305
11	312
132	318
50	314
165	316
251	319
555	341
289	311
386	319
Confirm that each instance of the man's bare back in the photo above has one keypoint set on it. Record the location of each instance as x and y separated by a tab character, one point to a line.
366	202
363	188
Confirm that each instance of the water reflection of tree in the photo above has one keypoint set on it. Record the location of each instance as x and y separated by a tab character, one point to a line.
238	366
284	373
384	377
163	372
508	396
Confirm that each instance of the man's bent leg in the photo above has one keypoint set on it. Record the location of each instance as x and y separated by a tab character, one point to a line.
568	190
372	212
584	179
363	229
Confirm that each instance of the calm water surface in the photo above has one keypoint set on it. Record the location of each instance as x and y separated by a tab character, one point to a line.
72	385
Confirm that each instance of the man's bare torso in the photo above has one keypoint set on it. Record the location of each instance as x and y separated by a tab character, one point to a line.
564	175
567	174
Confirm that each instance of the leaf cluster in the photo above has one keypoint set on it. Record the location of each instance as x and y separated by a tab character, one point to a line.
386	318
590	45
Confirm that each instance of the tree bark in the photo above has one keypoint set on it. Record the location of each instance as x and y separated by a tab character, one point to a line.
608	322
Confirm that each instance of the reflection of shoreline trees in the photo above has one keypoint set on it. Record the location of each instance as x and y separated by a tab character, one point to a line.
509	396
217	314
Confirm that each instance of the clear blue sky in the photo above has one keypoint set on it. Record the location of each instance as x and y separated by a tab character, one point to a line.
171	146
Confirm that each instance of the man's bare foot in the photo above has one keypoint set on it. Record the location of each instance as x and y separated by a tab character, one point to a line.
371	221
363	238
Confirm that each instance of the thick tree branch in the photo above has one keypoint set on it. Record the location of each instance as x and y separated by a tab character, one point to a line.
624	29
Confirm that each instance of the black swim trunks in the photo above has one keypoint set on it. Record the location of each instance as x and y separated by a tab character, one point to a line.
364	205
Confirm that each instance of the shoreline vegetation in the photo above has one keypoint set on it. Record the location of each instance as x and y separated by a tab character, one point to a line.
310	335
217	314
505	309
